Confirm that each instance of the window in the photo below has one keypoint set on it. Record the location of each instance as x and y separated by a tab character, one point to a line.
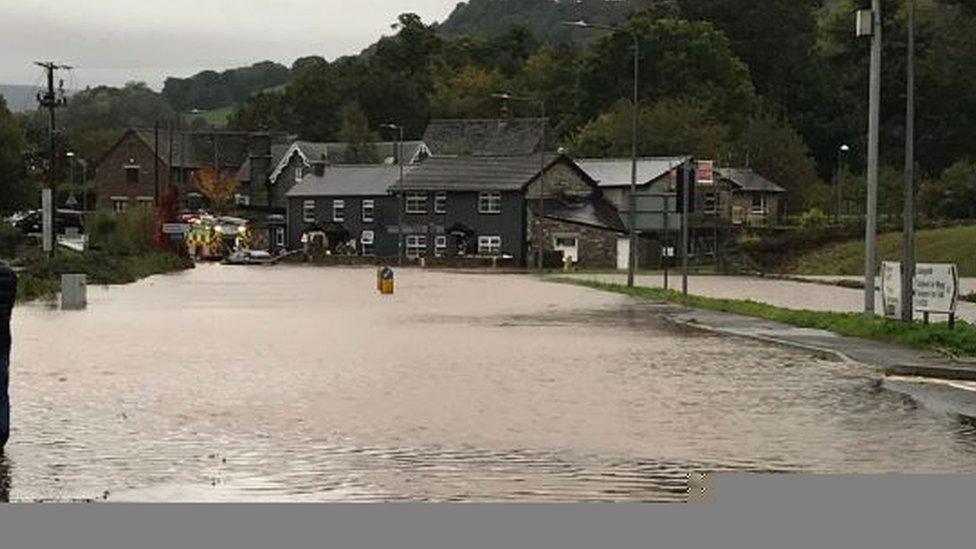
368	239
490	203
416	246
242	199
120	204
759	204
489	245
132	175
338	211
710	203
308	211
298	174
146	201
369	209
416	203
440	246
440	203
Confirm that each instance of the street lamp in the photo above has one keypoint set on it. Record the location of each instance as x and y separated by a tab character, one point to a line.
844	149
401	205
540	254
632	215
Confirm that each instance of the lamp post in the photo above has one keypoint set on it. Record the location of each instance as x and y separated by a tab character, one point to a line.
540	254
632	214
841	151
400	205
869	24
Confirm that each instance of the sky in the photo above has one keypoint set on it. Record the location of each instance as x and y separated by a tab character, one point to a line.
116	41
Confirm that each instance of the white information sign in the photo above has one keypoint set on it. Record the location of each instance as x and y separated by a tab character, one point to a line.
936	288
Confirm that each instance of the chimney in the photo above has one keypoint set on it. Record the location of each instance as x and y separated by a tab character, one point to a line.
259	154
318	167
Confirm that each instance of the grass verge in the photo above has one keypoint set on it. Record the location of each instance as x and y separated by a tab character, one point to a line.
960	342
41	277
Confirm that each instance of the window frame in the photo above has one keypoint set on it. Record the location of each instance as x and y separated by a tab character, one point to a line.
763	208
419	243
488	199
368	206
487	243
417	200
440	203
710	203
339	211
132	169
309	213
440	245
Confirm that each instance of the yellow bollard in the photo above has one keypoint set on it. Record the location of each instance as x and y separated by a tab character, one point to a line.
387	281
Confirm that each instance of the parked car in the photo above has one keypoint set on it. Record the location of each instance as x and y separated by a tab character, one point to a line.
249	257
32	223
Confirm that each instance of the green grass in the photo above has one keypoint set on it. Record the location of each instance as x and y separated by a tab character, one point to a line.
41	277
950	245
217	117
960	342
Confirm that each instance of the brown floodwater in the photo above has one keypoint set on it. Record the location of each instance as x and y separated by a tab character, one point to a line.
304	384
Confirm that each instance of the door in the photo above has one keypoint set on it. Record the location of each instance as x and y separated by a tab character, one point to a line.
623	254
568	245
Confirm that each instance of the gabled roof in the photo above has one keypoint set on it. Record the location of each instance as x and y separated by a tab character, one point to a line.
478	173
348	180
616	172
195	150
334	153
747	180
484	137
592	211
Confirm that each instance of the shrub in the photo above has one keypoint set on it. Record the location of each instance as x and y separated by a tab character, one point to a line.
127	233
814	217
10	238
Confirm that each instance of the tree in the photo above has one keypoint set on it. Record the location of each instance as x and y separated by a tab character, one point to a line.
14	188
219	187
952	196
467	93
359	138
669	127
679	58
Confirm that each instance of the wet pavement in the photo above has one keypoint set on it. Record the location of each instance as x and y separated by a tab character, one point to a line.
304	384
791	294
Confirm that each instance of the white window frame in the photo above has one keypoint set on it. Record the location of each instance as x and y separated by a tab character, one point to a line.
490	202
490	245
242	199
416	246
369	211
339	211
308	211
440	203
299	174
280	237
763	207
367	239
440	246
120	204
415	203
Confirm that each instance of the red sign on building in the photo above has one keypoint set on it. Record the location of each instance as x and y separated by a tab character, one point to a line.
706	172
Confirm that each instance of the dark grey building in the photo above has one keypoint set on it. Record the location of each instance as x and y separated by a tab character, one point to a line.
352	206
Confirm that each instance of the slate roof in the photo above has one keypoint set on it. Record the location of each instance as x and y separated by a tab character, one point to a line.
198	149
484	137
616	172
348	180
592	211
475	173
747	180
334	153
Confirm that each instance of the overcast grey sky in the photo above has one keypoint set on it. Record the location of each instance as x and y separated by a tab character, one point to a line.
115	41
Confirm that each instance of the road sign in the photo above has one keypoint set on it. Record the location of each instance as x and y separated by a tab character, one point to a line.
936	288
176	228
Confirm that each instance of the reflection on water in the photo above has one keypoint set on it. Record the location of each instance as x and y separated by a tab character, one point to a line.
286	384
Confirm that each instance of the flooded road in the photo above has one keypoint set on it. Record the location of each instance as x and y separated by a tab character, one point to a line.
302	384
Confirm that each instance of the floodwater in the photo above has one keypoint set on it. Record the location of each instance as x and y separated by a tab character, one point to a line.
303	384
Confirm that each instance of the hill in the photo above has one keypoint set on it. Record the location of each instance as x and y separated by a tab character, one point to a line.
19	98
950	245
210	90
490	18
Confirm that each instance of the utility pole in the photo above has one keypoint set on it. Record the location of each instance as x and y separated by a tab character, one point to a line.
632	270
52	100
401	204
686	175
874	125
908	244
156	164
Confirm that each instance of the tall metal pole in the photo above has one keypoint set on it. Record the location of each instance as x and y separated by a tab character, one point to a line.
402	206
156	164
908	235
632	263
542	190
685	225
874	125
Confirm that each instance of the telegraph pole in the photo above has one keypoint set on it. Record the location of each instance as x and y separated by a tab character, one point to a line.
52	99
908	245
874	125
